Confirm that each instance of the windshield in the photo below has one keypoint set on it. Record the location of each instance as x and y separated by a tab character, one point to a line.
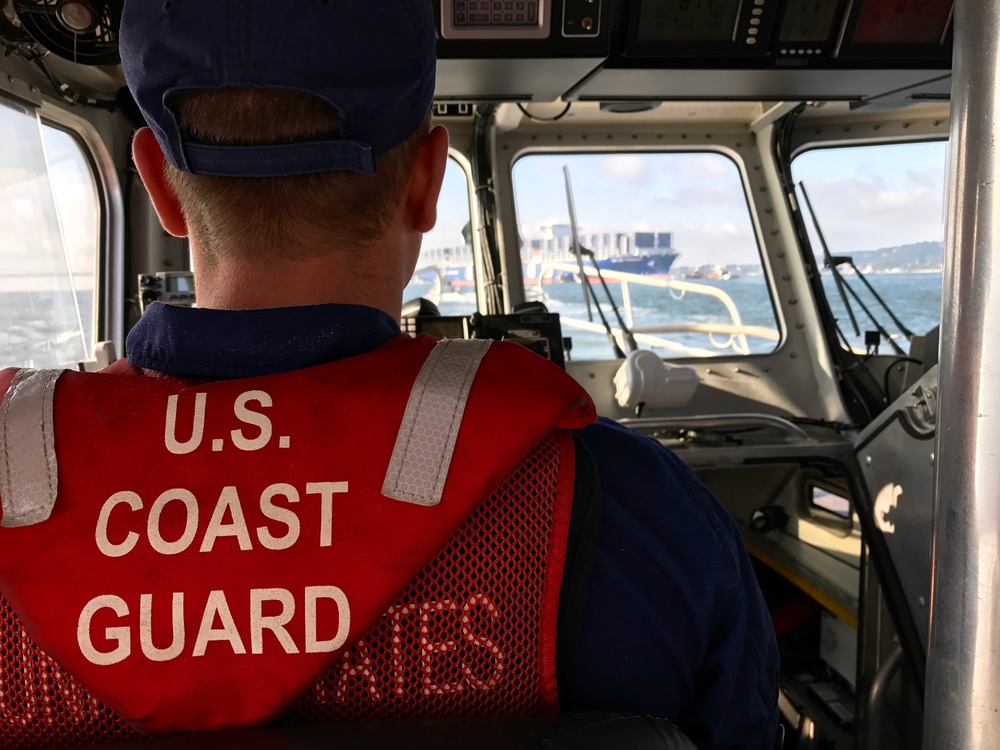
882	206
49	235
672	236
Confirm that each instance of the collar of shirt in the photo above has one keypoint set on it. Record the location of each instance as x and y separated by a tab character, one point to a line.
189	342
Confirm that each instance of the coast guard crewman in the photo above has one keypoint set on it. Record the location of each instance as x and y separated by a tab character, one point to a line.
278	506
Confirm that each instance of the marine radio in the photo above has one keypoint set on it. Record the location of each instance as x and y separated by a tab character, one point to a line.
169	287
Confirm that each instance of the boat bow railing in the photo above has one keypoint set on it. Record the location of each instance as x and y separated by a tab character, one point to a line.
734	331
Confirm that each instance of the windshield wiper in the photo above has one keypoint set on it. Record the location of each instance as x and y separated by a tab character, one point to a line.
833	263
588	289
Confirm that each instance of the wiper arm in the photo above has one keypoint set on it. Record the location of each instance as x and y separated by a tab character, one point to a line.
588	289
630	343
577	250
831	263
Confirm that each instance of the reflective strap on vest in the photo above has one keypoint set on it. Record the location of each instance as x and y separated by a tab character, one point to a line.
29	476
427	436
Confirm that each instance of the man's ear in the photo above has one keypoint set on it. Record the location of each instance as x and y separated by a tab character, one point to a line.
149	160
428	174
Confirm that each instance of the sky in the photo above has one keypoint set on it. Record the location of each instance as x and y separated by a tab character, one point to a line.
873	197
867	198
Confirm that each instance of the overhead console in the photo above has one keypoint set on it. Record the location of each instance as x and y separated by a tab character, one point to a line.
777	49
518	50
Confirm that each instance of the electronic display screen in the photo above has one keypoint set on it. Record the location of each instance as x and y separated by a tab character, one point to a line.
688	20
808	20
180	284
903	21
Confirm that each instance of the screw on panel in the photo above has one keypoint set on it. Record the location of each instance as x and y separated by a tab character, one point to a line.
868	460
921	601
933	458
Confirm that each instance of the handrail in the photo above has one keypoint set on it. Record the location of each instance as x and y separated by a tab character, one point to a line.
718	421
653	341
769	334
735	330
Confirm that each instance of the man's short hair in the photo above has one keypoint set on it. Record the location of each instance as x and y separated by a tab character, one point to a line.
259	217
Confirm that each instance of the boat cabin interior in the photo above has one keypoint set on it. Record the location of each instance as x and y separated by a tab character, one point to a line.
724	218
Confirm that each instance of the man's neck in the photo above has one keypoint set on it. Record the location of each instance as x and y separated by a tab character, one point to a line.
334	278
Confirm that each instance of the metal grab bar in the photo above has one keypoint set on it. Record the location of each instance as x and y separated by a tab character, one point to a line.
769	334
736	330
877	695
719	421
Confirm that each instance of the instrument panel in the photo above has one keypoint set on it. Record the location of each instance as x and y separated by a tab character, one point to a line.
782	30
640	49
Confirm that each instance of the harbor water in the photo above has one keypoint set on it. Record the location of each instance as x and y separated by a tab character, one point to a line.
915	298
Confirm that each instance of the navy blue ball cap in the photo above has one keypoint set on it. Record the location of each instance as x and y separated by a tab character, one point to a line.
373	61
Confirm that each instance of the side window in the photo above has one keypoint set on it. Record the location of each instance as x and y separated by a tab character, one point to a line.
445	272
672	236
882	207
49	237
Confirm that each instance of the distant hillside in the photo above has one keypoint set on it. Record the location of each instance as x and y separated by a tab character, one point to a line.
919	256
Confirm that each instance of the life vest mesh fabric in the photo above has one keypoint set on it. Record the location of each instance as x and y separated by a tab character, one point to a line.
40	704
462	639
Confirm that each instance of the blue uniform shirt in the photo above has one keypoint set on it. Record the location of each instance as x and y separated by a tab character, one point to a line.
674	624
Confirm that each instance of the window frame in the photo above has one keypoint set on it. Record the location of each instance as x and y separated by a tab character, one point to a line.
465	167
110	283
94	322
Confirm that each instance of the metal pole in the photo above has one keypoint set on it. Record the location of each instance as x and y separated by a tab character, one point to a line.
962	702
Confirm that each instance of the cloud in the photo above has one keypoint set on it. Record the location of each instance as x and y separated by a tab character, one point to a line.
625	169
717	193
860	215
721	242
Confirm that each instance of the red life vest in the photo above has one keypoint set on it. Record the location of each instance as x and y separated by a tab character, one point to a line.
337	542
